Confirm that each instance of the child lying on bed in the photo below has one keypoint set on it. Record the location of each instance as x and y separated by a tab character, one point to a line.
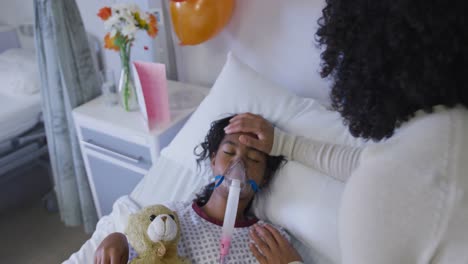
201	221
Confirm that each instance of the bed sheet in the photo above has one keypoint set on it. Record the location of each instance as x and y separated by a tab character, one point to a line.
181	186
18	114
114	222
19	72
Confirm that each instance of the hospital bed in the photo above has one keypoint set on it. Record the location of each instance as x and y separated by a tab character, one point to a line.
22	135
272	70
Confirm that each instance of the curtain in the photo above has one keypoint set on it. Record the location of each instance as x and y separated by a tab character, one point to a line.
68	79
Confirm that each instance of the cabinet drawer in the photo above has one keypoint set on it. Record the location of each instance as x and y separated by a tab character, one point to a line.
123	150
110	182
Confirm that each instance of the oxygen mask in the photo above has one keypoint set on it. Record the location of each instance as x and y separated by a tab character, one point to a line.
236	171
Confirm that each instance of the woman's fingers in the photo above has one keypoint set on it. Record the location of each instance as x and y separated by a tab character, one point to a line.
282	242
254	128
245	116
257	254
250	123
267	237
272	247
246	122
254	143
246	126
259	242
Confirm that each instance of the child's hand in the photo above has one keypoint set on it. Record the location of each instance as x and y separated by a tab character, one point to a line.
271	247
112	250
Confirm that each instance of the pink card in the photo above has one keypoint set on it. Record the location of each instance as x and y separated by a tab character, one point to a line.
151	86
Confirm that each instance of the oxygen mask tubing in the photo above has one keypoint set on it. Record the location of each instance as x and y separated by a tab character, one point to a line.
236	180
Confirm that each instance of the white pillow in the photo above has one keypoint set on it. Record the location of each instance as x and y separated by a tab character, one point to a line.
240	89
19	72
299	198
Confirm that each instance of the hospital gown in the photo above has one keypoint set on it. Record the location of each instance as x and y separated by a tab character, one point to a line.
200	236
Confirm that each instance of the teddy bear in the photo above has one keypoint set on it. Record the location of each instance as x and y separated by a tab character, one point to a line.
154	233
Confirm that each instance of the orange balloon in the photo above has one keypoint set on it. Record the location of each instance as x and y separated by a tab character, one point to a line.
196	21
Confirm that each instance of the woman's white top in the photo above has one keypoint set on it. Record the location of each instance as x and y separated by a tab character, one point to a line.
406	198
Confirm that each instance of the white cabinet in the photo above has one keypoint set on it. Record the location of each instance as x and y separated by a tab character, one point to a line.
117	148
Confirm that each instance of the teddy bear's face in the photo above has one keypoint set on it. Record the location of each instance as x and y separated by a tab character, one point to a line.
163	227
153	226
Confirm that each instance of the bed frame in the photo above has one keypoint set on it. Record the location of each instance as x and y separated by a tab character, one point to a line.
29	149
23	149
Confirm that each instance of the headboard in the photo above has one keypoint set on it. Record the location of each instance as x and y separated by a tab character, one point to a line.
275	37
8	38
26	35
22	36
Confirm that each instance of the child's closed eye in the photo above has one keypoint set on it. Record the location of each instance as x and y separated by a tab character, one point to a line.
253	160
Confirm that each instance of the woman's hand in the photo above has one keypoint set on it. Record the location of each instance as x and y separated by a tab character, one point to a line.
271	247
255	124
112	250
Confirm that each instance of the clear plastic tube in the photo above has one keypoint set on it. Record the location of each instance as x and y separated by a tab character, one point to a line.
229	219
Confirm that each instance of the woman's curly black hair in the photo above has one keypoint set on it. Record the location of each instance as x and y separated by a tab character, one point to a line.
209	147
390	58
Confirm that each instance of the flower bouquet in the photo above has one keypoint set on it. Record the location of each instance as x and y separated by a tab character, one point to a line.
122	21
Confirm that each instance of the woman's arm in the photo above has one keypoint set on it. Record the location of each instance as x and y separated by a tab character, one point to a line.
337	161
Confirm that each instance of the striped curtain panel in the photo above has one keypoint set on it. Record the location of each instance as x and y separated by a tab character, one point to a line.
68	79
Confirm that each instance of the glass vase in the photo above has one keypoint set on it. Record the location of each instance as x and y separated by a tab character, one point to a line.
127	93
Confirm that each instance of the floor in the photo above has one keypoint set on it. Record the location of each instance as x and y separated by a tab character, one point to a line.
30	233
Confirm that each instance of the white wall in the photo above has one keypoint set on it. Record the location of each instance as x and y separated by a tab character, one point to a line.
22	12
275	37
17	12
95	26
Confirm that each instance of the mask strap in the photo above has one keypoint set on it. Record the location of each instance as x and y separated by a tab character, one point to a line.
254	186
219	180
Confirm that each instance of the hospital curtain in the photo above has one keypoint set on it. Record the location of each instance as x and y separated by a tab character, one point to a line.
68	79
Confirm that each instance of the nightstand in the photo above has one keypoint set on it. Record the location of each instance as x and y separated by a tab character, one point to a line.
117	148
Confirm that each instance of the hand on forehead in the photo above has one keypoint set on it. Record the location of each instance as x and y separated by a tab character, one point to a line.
234	141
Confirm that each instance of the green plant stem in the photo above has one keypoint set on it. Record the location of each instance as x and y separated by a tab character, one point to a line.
125	59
